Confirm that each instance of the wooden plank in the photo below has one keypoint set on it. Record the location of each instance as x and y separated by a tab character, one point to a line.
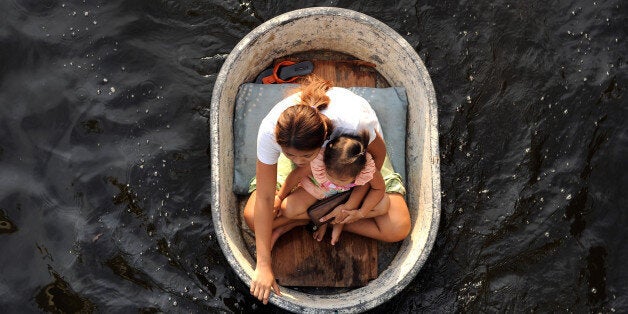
300	260
345	73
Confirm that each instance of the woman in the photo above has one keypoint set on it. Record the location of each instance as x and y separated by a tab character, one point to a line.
298	126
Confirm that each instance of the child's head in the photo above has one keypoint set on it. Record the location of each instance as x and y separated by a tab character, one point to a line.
345	157
302	127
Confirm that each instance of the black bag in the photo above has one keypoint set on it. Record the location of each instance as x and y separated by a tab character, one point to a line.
325	206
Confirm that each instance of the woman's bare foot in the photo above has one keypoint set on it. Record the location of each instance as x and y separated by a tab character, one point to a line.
277	232
319	234
335	233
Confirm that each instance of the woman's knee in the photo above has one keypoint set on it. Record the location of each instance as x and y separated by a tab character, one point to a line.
292	210
401	230
249	211
399	219
296	204
396	232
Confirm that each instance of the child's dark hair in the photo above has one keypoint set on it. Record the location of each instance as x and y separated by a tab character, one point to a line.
345	155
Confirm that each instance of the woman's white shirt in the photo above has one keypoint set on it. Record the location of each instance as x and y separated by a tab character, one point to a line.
349	113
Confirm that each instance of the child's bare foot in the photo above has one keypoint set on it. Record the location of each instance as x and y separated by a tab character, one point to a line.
319	234
335	233
277	232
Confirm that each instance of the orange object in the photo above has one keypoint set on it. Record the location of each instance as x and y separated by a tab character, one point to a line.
275	77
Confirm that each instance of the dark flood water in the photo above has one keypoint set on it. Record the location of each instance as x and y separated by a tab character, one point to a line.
104	170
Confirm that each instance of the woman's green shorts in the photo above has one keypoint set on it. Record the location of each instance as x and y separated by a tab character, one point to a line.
391	178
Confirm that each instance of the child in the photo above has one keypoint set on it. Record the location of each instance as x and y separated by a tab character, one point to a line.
341	165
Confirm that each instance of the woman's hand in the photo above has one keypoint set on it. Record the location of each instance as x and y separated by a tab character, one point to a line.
335	215
351	216
262	283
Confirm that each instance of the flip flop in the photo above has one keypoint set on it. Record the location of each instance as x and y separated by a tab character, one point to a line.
285	72
263	74
297	69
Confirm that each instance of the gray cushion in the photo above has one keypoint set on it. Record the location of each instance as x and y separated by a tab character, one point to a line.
255	100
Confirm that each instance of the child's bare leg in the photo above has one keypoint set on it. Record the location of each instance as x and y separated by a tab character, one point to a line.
391	227
335	233
319	234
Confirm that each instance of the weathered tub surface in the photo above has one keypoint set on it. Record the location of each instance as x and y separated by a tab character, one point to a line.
367	39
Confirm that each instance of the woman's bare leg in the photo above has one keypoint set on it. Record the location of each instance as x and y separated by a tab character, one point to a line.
249	211
277	232
381	208
293	208
249	214
391	227
296	204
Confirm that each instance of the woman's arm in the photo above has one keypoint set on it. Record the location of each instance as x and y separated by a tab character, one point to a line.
377	148
263	279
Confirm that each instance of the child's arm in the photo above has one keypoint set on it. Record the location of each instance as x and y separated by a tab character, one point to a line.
357	195
292	180
375	194
340	212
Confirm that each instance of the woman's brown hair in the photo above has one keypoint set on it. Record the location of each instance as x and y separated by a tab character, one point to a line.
345	155
303	126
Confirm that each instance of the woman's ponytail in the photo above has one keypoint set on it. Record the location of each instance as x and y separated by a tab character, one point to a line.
314	92
303	126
